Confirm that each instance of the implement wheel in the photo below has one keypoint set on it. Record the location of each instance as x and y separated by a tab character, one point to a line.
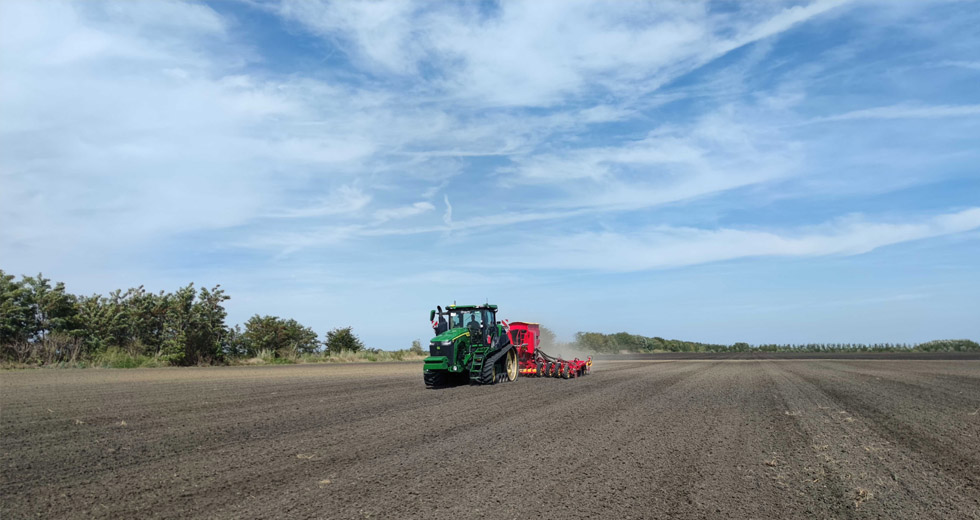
510	365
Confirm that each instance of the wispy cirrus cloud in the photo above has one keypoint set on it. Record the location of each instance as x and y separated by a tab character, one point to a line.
540	53
342	201
972	65
665	247
403	212
905	111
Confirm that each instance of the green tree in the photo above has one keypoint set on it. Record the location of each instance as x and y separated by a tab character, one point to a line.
178	324
416	348
341	339
15	311
207	331
234	344
271	333
102	323
52	309
183	327
594	342
948	345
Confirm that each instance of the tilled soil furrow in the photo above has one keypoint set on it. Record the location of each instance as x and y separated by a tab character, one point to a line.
635	439
271	428
892	401
897	468
735	464
479	448
962	460
169	429
849	459
964	389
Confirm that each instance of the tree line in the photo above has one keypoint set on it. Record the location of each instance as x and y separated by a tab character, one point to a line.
624	342
42	323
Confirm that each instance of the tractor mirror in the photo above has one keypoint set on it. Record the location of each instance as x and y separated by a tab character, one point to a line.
432	315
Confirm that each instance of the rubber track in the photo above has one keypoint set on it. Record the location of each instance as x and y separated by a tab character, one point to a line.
486	373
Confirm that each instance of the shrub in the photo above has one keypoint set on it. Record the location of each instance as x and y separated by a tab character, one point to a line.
283	338
341	340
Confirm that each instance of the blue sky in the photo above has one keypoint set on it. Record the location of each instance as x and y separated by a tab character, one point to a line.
758	171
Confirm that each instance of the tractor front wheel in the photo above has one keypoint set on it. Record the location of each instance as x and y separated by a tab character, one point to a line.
434	378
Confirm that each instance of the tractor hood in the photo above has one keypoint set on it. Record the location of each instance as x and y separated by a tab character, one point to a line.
451	335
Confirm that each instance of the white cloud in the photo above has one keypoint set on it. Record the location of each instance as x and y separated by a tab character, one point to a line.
127	123
344	200
905	111
403	212
383	32
972	65
540	53
179	137
730	148
97	143
447	217
664	246
779	22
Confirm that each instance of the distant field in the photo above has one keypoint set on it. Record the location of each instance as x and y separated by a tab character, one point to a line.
881	356
683	438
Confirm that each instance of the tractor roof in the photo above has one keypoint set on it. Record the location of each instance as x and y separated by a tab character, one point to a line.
471	307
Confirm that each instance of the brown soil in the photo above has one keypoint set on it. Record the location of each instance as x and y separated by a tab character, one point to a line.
635	439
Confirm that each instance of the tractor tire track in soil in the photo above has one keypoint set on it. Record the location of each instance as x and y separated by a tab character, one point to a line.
683	438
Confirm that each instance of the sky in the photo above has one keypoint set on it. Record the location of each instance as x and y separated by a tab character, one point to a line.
784	172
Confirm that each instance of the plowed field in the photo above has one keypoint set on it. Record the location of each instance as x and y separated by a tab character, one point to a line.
635	439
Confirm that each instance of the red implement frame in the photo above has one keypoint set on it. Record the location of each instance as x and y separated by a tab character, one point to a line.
533	362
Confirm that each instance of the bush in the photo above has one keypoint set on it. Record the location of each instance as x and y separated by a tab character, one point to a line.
282	338
948	345
341	340
55	348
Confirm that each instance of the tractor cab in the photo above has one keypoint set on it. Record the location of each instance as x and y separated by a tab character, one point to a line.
479	321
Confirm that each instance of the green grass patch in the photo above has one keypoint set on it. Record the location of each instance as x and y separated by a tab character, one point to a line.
118	358
347	356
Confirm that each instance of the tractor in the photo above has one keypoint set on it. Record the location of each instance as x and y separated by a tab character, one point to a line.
470	346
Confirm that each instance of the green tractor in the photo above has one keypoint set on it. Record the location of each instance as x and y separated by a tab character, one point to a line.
470	346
